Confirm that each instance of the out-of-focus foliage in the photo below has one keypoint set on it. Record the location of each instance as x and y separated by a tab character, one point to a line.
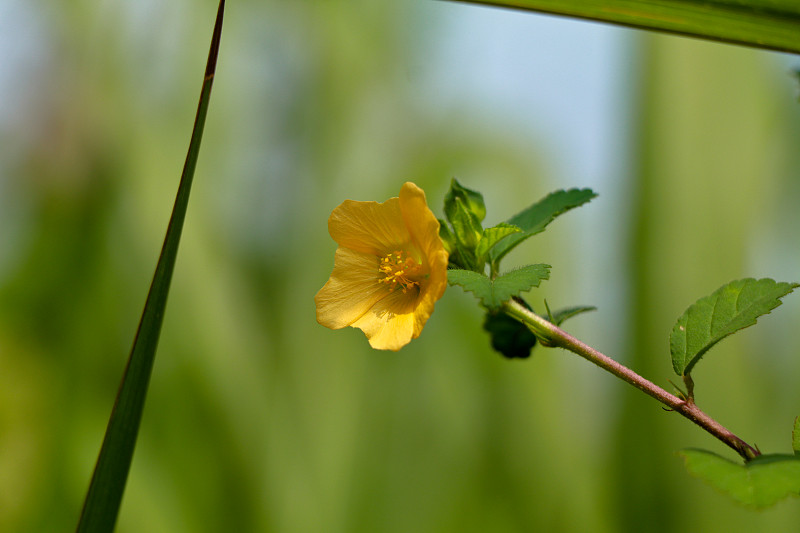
714	181
259	419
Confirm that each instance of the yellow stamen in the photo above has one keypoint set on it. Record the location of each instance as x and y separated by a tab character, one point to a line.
397	268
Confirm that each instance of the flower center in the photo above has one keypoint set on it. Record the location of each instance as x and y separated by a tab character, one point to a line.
397	269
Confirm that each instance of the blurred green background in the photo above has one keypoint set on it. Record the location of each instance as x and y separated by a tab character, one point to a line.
258	419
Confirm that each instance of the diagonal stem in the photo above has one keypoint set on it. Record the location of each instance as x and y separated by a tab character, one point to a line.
551	335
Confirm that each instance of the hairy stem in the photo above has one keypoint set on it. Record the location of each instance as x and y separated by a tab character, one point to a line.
551	335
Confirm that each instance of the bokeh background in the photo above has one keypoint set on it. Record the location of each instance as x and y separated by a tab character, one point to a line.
258	419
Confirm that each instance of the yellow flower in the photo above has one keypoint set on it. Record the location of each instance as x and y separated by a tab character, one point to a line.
389	269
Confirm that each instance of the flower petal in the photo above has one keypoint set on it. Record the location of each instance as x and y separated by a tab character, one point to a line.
432	289
351	291
369	227
420	220
424	229
389	324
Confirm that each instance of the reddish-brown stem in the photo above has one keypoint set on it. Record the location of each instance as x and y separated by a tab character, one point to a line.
551	335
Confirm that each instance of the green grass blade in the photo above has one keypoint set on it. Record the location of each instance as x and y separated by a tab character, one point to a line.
771	24
101	506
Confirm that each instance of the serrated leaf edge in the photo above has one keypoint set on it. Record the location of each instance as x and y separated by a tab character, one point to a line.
491	283
679	326
526	234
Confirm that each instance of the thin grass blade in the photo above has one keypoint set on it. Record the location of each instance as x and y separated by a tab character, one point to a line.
103	499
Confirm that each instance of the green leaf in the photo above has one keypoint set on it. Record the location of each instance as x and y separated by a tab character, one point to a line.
448	239
796	436
759	483
492	236
459	257
478	284
101	506
568	312
535	218
771	24
494	293
467	230
509	336
473	200
730	308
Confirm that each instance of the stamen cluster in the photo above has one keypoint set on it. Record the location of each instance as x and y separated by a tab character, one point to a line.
397	268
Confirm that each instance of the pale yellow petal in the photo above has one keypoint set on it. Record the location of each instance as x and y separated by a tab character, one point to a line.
432	289
389	324
369	227
420	220
351	291
424	229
